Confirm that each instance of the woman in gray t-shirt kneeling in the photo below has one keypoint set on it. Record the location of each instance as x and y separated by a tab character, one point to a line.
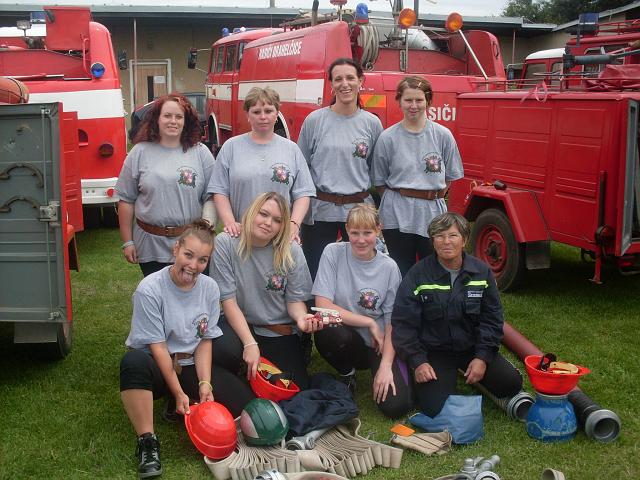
361	283
264	282
175	318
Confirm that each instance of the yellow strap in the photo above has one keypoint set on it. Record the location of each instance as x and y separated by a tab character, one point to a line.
419	288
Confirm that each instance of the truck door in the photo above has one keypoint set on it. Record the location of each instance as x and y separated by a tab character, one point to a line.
35	294
631	204
225	88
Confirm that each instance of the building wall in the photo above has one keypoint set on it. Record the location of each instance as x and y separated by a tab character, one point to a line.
525	46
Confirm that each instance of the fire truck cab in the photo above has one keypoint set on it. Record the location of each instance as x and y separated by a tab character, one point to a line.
70	59
293	60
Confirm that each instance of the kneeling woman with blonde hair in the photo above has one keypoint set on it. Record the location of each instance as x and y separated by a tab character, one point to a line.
264	282
361	283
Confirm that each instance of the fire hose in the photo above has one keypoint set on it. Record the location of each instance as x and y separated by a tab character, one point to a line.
599	424
340	450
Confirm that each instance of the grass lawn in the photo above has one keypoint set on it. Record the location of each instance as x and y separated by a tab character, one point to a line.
64	420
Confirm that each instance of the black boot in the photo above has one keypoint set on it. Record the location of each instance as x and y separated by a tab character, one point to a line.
148	453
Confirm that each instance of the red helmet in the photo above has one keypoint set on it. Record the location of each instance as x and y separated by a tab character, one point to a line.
271	383
212	429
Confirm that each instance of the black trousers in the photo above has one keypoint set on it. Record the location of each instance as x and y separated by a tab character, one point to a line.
406	248
344	349
501	379
286	352
139	371
317	236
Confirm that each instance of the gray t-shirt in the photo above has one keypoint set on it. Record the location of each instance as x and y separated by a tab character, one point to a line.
363	287
338	149
420	161
168	188
164	313
261	293
244	169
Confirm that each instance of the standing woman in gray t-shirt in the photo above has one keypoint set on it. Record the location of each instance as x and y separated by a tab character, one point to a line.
414	163
260	161
264	282
360	282
337	142
163	183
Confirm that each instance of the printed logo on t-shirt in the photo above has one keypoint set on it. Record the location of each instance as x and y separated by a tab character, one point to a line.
368	298
276	282
361	148
187	177
201	324
281	173
433	162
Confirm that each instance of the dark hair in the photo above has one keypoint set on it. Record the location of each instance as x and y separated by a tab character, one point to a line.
201	229
149	131
419	83
445	221
350	62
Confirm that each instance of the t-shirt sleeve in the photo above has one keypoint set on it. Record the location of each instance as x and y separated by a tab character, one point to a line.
208	161
299	279
222	268
127	184
303	185
325	282
219	182
305	139
381	161
147	325
394	282
452	159
213	330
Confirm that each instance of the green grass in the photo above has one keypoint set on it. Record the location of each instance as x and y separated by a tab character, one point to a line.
64	419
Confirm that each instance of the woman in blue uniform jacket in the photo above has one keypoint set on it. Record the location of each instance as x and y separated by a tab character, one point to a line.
447	317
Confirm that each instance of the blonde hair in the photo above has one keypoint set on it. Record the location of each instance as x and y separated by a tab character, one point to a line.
265	95
282	258
363	215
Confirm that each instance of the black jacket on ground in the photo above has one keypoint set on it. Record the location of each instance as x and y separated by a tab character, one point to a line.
430	314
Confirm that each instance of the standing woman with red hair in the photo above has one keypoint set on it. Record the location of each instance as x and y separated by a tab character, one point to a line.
163	183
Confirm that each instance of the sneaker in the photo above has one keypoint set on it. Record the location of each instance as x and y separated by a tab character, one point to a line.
148	453
169	413
350	381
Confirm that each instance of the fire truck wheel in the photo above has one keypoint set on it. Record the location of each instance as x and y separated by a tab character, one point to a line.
493	241
59	349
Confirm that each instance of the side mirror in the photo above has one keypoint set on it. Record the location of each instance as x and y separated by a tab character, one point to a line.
122	60
192	59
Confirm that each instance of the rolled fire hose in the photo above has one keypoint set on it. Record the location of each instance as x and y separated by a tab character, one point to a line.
599	424
341	451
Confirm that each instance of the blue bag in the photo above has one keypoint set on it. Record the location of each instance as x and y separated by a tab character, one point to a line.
461	416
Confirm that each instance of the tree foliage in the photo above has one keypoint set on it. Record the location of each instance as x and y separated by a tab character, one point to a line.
557	11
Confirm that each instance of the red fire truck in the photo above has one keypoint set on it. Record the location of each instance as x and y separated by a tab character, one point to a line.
293	60
556	162
70	59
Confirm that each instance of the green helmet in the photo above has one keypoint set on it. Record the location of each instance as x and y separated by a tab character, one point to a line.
263	422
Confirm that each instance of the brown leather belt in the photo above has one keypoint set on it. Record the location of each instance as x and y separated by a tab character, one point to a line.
281	329
162	231
340	199
179	356
422	194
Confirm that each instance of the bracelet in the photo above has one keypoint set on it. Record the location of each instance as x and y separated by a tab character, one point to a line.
127	244
206	383
296	224
250	344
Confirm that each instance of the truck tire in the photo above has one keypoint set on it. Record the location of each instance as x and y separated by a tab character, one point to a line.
59	349
493	242
213	140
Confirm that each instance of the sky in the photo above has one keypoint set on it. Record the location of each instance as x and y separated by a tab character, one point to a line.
464	7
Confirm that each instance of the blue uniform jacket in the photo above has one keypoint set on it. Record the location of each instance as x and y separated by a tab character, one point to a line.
431	315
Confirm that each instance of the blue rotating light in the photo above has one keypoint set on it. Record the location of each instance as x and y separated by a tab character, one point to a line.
97	70
225	32
362	13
